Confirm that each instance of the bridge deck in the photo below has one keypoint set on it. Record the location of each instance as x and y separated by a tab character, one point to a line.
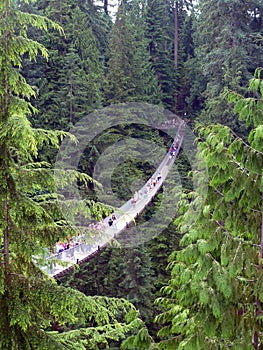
126	214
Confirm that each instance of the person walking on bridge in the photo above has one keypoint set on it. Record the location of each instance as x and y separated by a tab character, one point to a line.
110	222
114	220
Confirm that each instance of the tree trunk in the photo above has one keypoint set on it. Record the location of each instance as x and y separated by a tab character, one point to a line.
6	50
71	104
258	309
4	155
105	6
176	34
235	28
165	18
6	239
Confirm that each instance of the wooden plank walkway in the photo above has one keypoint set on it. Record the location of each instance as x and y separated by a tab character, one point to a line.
61	263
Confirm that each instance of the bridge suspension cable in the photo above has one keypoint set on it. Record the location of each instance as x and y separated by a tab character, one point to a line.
61	262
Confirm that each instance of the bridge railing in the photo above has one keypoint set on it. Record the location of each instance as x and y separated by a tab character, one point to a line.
83	250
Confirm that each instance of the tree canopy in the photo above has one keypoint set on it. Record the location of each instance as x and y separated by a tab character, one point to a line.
61	60
214	297
36	313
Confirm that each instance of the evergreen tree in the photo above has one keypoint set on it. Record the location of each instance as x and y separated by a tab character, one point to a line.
170	43
144	78
186	54
101	275
137	281
159	20
70	83
214	297
30	219
119	75
120	273
130	76
228	50
178	5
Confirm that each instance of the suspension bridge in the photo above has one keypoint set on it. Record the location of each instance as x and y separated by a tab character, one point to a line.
82	250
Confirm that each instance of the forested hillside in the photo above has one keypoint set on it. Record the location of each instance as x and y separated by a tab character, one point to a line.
198	283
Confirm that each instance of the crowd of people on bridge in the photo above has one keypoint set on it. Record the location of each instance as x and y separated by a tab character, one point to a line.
149	186
73	242
173	149
112	220
62	246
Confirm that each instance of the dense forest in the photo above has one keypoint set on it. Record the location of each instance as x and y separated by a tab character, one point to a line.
198	284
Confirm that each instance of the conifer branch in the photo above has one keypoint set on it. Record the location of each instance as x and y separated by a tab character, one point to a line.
245	143
235	238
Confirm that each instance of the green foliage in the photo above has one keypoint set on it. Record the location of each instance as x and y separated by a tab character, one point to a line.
141	341
36	313
227	52
214	280
129	73
158	17
83	322
70	84
125	273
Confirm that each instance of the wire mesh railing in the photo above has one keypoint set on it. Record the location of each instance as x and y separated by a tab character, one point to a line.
57	264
